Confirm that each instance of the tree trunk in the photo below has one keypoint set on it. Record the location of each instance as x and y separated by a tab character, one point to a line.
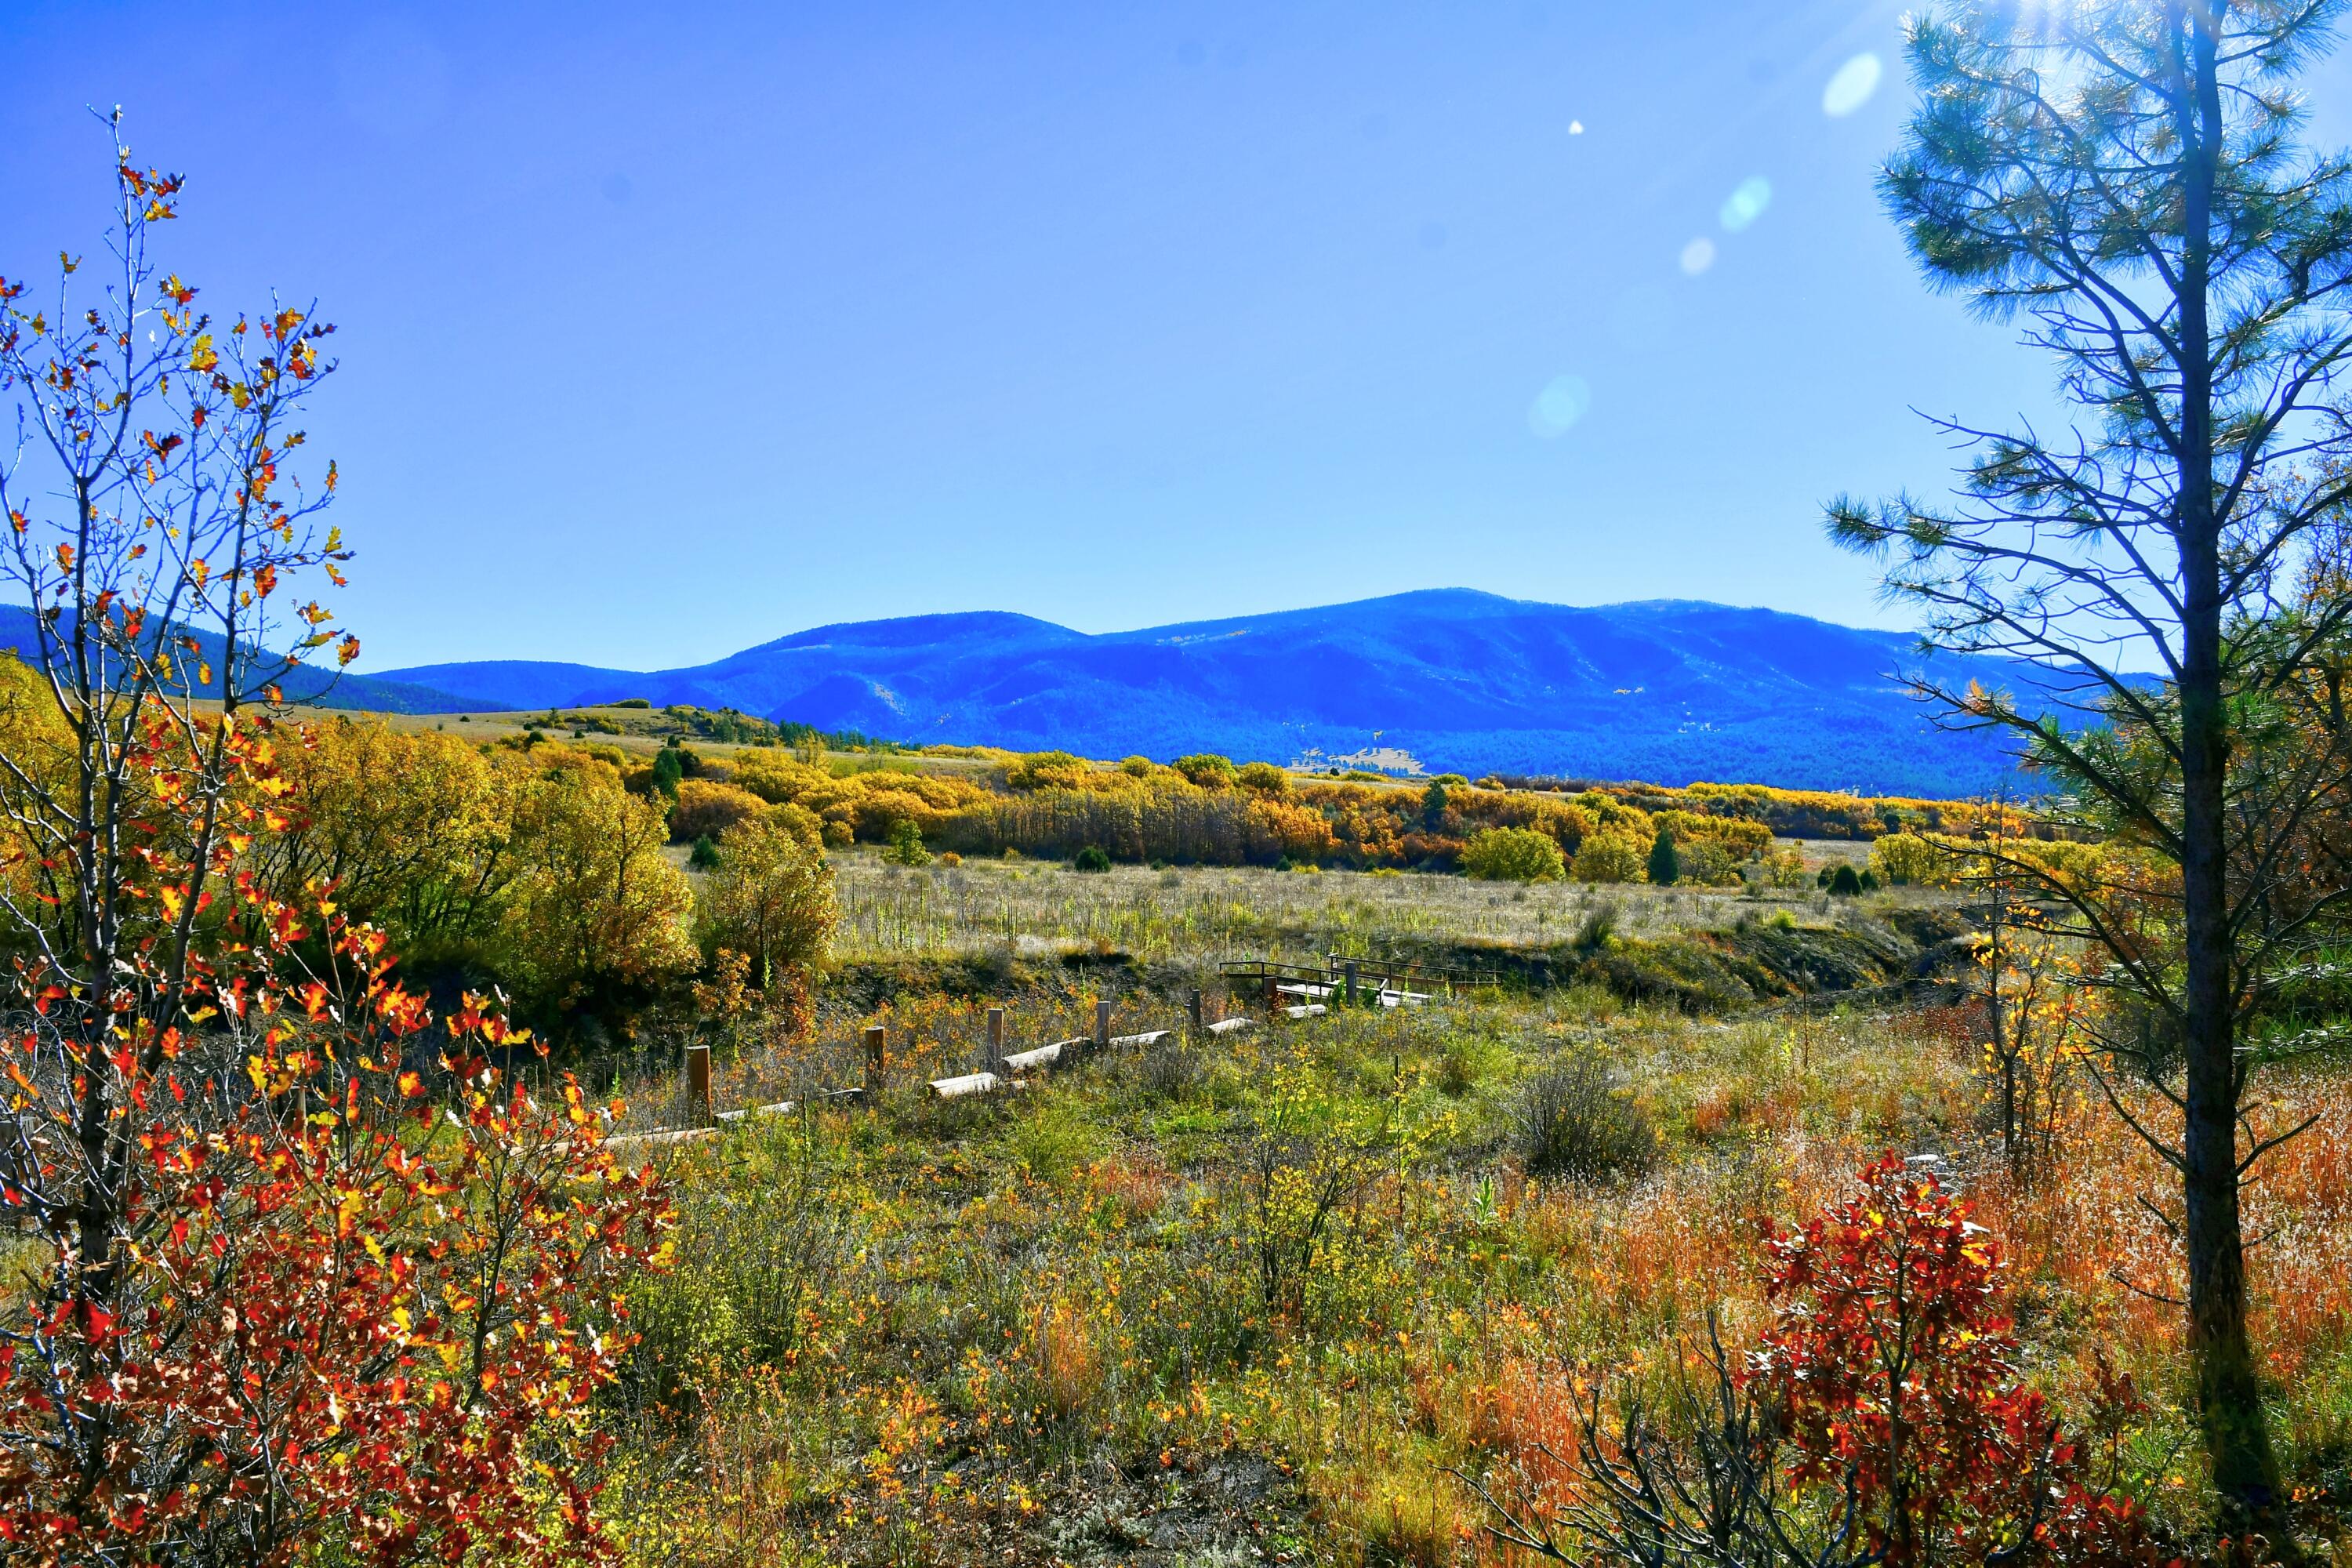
2229	1395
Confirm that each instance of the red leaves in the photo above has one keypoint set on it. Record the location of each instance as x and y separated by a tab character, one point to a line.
350	1301
1893	1368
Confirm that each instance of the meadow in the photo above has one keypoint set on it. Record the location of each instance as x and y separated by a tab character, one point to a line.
1293	1295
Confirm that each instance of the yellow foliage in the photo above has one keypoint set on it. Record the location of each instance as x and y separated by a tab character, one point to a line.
707	807
1610	856
772	897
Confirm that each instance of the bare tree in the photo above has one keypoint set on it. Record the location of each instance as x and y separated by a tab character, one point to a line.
2126	180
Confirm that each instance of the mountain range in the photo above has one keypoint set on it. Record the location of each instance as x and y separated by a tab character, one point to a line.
1663	690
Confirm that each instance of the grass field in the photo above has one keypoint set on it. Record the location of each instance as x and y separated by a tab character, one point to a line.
1272	1298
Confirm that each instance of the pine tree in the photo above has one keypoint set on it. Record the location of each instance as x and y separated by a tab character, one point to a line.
1665	862
2128	181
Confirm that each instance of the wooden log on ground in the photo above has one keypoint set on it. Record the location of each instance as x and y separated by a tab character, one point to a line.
780	1107
1055	1055
1229	1026
1151	1037
1306	1010
970	1083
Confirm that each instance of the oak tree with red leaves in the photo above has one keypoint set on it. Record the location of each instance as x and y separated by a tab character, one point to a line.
298	1265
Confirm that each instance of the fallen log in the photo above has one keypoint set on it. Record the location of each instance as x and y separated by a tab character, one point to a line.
970	1083
1229	1026
1044	1055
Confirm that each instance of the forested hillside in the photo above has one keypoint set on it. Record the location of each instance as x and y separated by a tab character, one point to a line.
1670	690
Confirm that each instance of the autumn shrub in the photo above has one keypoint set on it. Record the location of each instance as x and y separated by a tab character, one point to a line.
1310	1155
325	1300
1706	863
1908	859
771	898
1206	770
1880	1418
592	910
706	809
1263	778
1513	854
1575	1121
1609	857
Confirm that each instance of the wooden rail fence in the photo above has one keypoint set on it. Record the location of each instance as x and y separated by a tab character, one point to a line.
1340	981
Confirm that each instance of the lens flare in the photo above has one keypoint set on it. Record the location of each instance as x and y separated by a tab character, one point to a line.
1559	406
1850	87
1698	255
1746	204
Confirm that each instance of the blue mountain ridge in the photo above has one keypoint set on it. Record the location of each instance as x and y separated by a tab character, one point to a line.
324	687
1669	691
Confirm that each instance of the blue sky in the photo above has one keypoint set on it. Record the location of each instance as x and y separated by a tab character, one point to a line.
670	329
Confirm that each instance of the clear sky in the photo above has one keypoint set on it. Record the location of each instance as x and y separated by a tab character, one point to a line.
670	329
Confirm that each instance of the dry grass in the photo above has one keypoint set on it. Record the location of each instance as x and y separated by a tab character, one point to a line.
892	912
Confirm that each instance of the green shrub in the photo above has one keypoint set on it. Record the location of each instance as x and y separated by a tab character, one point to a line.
1845	882
705	855
634	702
1090	859
1514	855
906	847
1206	768
1574	1123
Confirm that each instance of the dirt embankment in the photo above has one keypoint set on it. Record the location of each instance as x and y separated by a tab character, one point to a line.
1903	952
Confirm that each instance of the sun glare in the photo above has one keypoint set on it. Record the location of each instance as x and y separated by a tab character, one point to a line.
1852	86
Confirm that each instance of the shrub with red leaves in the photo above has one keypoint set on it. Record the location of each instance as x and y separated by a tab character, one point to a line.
1891	1368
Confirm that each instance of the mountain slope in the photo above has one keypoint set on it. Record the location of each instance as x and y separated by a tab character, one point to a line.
1667	690
325	688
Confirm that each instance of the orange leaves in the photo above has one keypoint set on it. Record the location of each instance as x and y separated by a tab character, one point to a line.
347	650
202	355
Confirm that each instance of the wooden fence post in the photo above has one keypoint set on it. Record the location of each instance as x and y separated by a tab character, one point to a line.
1272	993
1102	1025
698	1082
1350	969
996	1040
873	1061
1192	1010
